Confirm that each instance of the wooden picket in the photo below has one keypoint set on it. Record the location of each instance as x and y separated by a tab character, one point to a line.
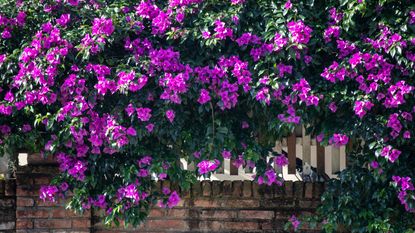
325	161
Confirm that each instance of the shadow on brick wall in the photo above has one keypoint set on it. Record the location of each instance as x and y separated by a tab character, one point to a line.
214	207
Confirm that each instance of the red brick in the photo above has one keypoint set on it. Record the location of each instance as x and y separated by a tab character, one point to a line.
41	203
81	223
247	189
299	189
255	190
24	180
206	203
237	187
309	190
42	180
266	191
211	226
63	213
256	214
38	159
24	224
206	188
308	204
237	203
278	203
156	213
283	215
227	188
196	189
27	192
177	213
216	188
268	225
53	223
278	191
32	213
221	214
166	224
288	185
241	225
44	170
182	203
185	193
24	202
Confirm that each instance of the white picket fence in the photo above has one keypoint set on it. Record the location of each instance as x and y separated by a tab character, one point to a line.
326	160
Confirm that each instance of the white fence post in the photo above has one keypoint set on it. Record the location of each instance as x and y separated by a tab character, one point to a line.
328	160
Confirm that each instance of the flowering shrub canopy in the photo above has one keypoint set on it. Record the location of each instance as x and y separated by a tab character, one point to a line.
120	90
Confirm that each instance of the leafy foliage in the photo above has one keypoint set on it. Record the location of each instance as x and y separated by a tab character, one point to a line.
120	91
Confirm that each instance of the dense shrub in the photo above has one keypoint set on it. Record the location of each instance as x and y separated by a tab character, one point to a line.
120	90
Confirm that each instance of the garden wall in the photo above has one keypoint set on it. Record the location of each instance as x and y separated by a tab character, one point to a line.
227	206
7	206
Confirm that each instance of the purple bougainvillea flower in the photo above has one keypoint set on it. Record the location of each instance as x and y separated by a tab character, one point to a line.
361	107
288	5
271	176
73	2
281	160
150	127
48	193
170	115
197	154
144	114
131	131
300	33
333	107
226	154
206	166
339	140
206	34
95	79
64	20
26	128
204	96
374	164
64	186
173	200
295	222
391	154
102	26
235	2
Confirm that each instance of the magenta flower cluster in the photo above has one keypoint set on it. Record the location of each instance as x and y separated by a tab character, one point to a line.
207	166
120	94
406	187
299	32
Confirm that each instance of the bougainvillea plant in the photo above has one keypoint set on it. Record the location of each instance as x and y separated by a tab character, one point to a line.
119	91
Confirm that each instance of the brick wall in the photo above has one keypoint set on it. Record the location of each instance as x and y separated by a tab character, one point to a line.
7	206
231	207
35	216
208	207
